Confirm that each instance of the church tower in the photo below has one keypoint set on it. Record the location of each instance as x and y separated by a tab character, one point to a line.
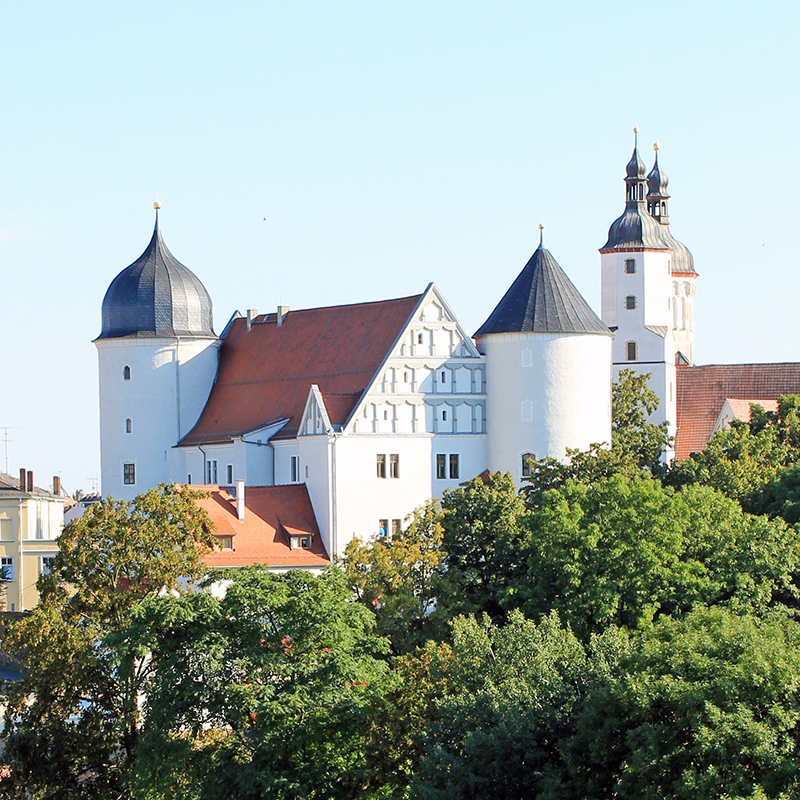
548	374
158	358
682	272
636	264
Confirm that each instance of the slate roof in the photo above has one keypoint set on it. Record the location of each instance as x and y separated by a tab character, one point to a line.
702	392
266	373
271	514
542	300
156	296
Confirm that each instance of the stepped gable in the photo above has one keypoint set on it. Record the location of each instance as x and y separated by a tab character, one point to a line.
272	514
265	373
156	296
542	300
702	392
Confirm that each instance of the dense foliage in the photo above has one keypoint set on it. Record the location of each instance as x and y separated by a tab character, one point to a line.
620	628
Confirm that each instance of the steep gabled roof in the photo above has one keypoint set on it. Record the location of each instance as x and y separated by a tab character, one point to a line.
702	392
542	300
266	372
270	511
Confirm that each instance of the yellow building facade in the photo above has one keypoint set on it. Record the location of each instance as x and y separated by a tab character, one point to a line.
31	519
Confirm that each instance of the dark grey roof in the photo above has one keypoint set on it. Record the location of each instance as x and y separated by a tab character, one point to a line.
657	197
635	228
156	296
542	300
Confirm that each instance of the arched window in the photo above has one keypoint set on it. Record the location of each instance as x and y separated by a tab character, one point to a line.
631	351
128	426
126	373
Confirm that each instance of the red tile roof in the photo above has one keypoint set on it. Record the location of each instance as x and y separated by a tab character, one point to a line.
266	373
741	408
702	392
271	514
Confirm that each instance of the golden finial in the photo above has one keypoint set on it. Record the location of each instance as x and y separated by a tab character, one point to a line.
157	204
541	234
656	146
636	129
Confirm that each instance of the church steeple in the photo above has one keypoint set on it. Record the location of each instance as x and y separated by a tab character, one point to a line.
657	192
634	176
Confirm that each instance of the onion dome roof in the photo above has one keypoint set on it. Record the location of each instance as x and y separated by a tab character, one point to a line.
635	229
657	181
156	296
542	300
682	259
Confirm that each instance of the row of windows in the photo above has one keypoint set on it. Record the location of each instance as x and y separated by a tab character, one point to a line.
448	467
394	465
45	565
383	527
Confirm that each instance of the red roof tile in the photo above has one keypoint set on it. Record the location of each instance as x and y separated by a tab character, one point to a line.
741	408
270	511
266	373
702	392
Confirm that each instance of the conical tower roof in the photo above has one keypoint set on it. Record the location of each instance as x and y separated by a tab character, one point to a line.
156	296
542	300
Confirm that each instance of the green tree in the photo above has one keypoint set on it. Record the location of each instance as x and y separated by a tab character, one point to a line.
73	723
627	549
263	693
706	707
510	696
396	577
482	524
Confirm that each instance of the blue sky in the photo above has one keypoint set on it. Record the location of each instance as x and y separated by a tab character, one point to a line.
320	153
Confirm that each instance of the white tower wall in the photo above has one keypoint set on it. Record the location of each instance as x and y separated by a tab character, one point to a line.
546	392
170	380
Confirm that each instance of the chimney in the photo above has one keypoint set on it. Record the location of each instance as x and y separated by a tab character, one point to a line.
281	315
252	313
23	479
56	485
240	499
30	480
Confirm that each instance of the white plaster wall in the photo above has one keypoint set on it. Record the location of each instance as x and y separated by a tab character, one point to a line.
169	384
283	451
317	472
362	498
545	393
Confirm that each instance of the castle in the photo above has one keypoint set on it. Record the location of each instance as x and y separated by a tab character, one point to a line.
368	410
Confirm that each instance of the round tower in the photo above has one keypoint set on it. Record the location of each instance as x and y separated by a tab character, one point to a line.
548	370
157	356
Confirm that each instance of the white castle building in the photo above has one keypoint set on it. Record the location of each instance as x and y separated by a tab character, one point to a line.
373	408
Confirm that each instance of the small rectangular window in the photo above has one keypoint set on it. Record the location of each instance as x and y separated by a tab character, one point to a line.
419	338
47	565
300	542
129	474
294	464
394	465
7	563
396	527
631	351
630	302
229	474
527	458
6	530
454	470
381	465
441	466
128	426
225	542
211	473
630	266
383	528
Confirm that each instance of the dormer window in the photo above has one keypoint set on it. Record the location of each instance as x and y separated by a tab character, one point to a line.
126	373
225	542
301	542
630	266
